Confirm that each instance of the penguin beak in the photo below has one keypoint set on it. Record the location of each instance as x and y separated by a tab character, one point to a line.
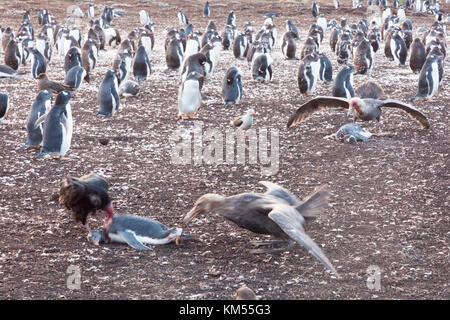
254	114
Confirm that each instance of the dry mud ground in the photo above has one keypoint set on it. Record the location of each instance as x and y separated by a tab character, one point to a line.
388	208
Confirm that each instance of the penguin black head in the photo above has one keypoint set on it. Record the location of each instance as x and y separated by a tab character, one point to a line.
63	97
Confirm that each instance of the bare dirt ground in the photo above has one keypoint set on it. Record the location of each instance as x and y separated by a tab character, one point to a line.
389	202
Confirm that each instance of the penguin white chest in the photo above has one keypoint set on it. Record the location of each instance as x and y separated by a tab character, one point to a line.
435	78
66	128
190	97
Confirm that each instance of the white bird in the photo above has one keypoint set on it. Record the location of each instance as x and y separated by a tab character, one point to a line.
245	121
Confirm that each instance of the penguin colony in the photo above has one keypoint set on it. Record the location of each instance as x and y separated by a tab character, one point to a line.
192	54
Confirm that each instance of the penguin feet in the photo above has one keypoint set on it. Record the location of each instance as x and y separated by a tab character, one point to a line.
182	117
193	116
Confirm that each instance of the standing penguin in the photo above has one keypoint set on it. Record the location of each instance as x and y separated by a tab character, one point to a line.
89	55
4	106
428	78
343	84
108	95
232	86
336	4
75	76
38	64
398	49
58	127
326	69
418	55
262	67
363	59
308	74
189	96
291	27
240	46
13	55
288	47
44	46
182	17
174	54
207	10
144	17
195	62
72	59
141	65
315	9
40	107
91	11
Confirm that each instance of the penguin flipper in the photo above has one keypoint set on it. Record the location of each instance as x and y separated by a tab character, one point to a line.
413	113
132	241
315	105
40	120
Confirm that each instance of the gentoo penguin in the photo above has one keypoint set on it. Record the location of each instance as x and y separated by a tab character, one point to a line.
182	17
147	40
44	46
343	84
40	107
351	133
374	37
262	67
52	86
232	86
141	65
101	36
206	10
245	121
231	20
334	37
91	11
308	73
174	54
336	4
89	56
144	17
245	293
7	72
137	232
7	35
436	51
398	49
108	95
123	64
326	69
38	64
128	89
291	27
344	51
85	195
315	9
387	44
58	126
363	58
192	44
322	22
112	37
13	55
288	46
75	76
240	46
363	109
428	78
195	62
189	96
310	46
369	89
72	59
4	106
207	50
418	55
227	37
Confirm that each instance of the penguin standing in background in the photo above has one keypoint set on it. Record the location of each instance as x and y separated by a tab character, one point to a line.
418	56
231	20
315	9
343	84
4	106
308	74
75	76
91	11
344	51
182	17
310	46
174	54
336	4
7	35
322	22
436	51
398	49
288	47
38	64
108	95
58	127
207	10
89	55
291	27
375	38
363	59
141	65
40	107
72	59
326	69
262	68
146	39
13	55
387	45
123	64
334	37
240	46
428	78
144	17
232	86
44	46
195	62
227	37
189	96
